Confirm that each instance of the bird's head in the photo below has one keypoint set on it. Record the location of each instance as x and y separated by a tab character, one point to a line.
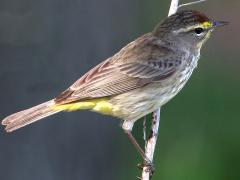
187	26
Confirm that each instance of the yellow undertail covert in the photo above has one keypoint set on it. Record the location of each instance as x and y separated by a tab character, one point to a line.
100	105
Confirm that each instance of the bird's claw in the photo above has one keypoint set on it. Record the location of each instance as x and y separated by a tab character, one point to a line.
148	165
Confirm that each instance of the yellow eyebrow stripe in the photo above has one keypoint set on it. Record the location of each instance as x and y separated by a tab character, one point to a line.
204	25
207	24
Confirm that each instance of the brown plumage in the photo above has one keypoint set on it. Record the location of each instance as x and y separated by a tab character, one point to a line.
142	76
125	71
25	117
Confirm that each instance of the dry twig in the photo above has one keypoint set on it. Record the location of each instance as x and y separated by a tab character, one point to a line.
150	143
152	140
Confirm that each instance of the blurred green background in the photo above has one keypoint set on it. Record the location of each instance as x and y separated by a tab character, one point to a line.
46	45
199	131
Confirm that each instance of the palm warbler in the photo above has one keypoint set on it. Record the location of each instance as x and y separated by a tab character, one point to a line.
141	77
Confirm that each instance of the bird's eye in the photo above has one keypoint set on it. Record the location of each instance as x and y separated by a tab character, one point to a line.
198	30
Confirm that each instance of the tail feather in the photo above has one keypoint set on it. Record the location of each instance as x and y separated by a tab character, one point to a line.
28	116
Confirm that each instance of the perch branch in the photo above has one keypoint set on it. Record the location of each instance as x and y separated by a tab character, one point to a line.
173	7
152	140
150	143
191	3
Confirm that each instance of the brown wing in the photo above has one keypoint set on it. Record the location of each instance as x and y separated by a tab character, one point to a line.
134	66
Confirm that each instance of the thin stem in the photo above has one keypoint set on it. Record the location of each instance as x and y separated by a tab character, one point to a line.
151	143
152	140
173	7
144	129
191	3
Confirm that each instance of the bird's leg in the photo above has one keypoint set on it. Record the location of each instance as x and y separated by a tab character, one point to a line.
136	145
147	162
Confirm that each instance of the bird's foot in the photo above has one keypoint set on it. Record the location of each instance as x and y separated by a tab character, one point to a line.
148	165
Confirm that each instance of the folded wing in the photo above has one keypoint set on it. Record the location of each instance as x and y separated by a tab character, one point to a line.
135	66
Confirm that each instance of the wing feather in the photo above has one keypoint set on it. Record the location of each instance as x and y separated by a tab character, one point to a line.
139	63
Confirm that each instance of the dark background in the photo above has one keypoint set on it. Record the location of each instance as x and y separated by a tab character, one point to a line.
45	45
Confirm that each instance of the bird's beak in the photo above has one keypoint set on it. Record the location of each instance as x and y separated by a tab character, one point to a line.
219	23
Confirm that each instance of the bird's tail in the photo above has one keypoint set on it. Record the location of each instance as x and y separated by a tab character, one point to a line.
28	116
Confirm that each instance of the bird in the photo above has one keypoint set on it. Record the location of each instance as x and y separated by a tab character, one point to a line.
143	76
